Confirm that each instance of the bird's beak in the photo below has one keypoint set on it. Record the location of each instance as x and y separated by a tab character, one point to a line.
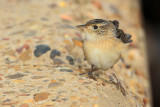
81	26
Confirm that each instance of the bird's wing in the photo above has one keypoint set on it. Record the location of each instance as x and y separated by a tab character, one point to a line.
125	38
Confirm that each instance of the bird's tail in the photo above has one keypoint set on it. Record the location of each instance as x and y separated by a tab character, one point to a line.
125	38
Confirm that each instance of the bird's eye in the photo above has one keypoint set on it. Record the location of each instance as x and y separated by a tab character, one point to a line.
95	27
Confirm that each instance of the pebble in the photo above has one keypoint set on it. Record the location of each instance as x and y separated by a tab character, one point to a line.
55	84
37	77
15	76
32	33
55	98
26	55
55	53
6	100
70	59
67	70
41	96
128	66
64	99
9	92
62	80
41	49
58	61
44	19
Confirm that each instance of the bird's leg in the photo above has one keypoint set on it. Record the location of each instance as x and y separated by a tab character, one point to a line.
90	72
118	82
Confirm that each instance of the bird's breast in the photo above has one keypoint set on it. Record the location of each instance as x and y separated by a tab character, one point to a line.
103	53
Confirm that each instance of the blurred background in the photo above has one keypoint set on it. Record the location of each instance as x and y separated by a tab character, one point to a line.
151	23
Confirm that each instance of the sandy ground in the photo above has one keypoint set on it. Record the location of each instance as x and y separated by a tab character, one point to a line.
42	62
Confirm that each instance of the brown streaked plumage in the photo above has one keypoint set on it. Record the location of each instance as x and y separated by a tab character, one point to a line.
103	45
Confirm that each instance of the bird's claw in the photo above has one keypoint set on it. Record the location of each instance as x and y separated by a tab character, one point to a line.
119	85
91	76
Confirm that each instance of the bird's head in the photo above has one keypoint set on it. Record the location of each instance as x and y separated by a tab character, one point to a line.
99	28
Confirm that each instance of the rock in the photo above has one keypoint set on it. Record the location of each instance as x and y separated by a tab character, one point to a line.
26	55
70	59
55	84
67	70
54	53
58	61
0	78
55	98
66	17
15	76
9	92
44	19
41	96
37	77
64	99
41	49
62	80
31	33
7	100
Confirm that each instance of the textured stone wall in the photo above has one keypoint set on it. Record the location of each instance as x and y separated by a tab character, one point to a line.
42	62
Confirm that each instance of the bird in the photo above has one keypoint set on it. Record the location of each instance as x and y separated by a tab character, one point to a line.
103	45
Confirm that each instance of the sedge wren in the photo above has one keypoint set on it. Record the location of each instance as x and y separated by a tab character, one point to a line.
103	45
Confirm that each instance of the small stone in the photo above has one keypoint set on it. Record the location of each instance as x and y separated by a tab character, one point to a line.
86	83
26	46
32	33
10	103
0	78
54	53
5	39
19	50
66	70
52	5
15	76
7	100
44	19
64	99
62	80
41	96
41	49
37	77
61	92
66	17
55	84
9	92
70	59
58	61
77	42
128	66
26	55
55	98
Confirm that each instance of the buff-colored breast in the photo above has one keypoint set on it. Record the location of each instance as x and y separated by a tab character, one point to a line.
103	54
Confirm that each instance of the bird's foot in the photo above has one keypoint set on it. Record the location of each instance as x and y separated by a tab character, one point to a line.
91	76
119	85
